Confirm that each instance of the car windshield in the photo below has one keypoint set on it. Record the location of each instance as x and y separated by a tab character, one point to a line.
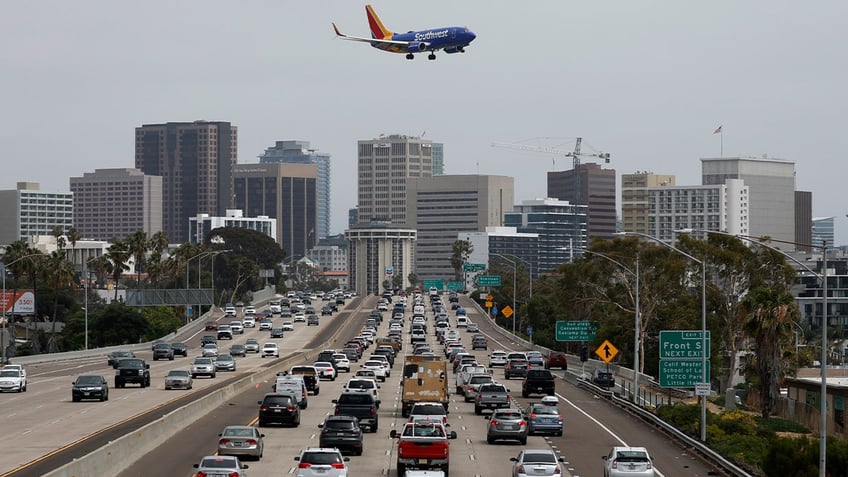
178	373
339	424
321	458
360	384
507	415
492	389
225	357
202	361
355	399
423	430
539	458
217	463
10	373
282	400
88	380
428	409
545	410
251	341
238	432
631	456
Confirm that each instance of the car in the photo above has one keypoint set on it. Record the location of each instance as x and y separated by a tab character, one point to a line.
206	339
244	441
276	332
12	380
535	359
230	311
341	432
238	350
180	349
90	386
237	327
211	325
603	378
216	465
312	320
249	321
472	327
278	408
251	345
300	317
178	379
202	367
497	358
424	410
115	356
366	373
557	359
479	343
506	424
288	326
537	462
225	362
321	462
265	324
132	370
250	310
163	351
544	417
209	350
341	362
516	367
628	462
361	384
225	332
270	349
462	321
325	370
326	310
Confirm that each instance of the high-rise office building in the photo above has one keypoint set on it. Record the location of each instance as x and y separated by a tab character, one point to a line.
804	219
588	184
195	160
822	232
377	253
384	165
634	198
560	226
771	186
283	191
438	159
299	152
28	211
115	203
440	207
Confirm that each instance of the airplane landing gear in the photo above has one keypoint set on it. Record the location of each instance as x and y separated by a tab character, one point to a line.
410	56
431	57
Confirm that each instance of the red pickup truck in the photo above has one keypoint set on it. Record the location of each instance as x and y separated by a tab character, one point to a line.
423	444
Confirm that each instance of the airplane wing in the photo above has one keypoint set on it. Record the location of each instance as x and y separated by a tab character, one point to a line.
377	43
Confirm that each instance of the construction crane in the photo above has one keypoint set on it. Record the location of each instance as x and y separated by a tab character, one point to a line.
576	154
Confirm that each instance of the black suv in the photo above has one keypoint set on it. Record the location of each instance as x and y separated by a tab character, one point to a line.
278	408
163	351
132	370
604	379
342	432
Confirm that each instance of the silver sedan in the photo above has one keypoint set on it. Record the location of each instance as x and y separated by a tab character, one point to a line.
241	441
178	379
537	462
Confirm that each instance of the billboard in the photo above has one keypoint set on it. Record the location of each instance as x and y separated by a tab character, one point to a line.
21	302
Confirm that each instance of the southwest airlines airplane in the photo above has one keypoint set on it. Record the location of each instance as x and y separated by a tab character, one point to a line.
450	39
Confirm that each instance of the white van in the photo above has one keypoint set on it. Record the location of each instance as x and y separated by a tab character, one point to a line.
462	321
293	385
418	310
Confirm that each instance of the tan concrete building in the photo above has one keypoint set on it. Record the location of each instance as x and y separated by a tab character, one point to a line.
115	203
634	198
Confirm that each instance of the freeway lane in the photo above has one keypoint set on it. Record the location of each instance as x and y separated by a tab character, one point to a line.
44	421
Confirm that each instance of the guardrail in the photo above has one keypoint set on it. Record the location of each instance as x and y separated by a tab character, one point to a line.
123	451
705	451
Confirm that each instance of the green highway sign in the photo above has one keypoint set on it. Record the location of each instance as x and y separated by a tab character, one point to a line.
575	331
489	280
437	284
681	373
473	267
682	344
454	286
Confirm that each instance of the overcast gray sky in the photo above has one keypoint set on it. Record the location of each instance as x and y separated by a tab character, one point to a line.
646	81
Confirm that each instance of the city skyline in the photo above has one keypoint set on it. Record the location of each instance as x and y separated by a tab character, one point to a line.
647	83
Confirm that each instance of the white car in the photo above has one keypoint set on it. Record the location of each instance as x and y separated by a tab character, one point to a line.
462	321
270	349
342	363
249	322
472	327
265	325
364	386
237	327
16	367
250	310
230	311
325	370
209	350
377	367
497	358
288	326
300	317
628	462
13	379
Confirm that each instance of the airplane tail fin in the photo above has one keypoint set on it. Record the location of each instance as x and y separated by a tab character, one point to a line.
378	30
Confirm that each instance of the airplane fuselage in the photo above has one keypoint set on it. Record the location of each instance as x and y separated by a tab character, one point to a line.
450	39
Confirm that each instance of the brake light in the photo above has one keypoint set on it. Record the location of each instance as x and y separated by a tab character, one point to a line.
338	465
559	416
223	442
304	465
337	412
290	408
201	474
479	397
522	423
373	410
557	470
263	408
251	442
533	416
615	464
494	422
521	469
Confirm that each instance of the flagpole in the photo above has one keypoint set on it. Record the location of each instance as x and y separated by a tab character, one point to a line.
721	141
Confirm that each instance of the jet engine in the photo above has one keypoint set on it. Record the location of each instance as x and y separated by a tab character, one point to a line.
417	47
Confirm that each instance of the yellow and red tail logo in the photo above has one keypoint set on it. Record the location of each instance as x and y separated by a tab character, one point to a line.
378	30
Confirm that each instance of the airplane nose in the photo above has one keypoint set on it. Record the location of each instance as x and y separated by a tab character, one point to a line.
471	36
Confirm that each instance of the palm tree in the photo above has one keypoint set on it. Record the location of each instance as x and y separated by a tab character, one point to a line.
60	273
137	246
460	252
118	254
770	312
73	236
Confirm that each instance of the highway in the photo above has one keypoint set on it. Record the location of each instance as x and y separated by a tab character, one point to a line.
592	425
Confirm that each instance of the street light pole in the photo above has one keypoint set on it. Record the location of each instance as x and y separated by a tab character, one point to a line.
637	321
823	362
85	289
703	264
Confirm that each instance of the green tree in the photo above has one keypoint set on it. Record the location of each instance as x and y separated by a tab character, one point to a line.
413	279
162	321
137	245
460	251
59	274
117	324
118	254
